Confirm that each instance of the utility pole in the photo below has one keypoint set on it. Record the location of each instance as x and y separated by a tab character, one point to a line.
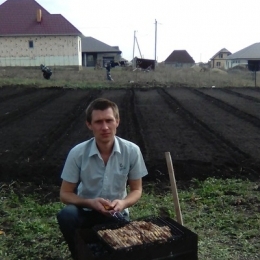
138	48
134	46
135	41
155	45
133	60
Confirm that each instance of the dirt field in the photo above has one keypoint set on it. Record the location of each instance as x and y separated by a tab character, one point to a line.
209	132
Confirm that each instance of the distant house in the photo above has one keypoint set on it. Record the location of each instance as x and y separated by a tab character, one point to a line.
30	36
219	59
179	58
250	54
96	53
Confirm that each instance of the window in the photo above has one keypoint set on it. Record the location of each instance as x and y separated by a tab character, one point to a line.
220	55
218	64
30	44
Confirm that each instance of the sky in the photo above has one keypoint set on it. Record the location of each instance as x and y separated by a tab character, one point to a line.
201	27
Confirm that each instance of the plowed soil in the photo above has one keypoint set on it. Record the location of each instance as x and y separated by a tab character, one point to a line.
209	132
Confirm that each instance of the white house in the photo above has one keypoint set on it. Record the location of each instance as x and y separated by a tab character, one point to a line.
250	53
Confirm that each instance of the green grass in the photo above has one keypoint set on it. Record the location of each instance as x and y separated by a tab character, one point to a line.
224	213
161	77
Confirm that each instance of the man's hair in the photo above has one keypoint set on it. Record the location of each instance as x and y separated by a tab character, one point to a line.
101	104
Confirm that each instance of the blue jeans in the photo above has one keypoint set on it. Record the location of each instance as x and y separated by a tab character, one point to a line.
71	218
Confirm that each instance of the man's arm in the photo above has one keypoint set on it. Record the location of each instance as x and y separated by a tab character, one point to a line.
68	196
133	196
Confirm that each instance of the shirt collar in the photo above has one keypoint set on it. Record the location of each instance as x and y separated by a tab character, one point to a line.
94	150
116	146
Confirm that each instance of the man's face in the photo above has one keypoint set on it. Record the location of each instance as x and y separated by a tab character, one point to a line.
103	125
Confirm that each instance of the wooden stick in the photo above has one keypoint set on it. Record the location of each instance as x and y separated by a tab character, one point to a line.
174	188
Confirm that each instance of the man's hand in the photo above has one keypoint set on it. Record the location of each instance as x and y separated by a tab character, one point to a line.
102	205
118	205
68	196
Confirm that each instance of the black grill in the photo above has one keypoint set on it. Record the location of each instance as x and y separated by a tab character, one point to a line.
183	245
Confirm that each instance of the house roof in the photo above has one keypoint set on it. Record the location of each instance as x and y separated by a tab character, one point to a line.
19	17
90	44
181	56
250	52
224	50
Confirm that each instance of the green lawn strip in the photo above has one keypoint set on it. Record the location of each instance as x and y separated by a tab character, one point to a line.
224	214
31	230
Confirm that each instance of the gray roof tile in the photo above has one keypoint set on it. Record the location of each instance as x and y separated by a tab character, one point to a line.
250	52
90	44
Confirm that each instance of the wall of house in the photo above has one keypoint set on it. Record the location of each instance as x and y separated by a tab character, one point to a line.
221	60
48	50
102	58
218	63
97	59
233	63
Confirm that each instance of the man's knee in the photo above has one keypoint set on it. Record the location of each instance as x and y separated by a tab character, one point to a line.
68	214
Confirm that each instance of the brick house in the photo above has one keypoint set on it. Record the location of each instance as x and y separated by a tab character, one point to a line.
30	36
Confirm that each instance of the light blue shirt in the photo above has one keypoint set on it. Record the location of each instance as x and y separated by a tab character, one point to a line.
85	165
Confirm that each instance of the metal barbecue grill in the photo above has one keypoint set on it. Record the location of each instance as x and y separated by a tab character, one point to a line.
183	245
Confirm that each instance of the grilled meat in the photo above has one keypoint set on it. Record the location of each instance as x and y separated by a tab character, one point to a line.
135	233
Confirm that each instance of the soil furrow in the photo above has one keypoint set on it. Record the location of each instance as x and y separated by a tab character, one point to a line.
19	135
205	131
38	149
234	131
248	91
242	95
203	134
24	105
167	131
72	132
136	130
7	93
232	104
224	160
228	129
